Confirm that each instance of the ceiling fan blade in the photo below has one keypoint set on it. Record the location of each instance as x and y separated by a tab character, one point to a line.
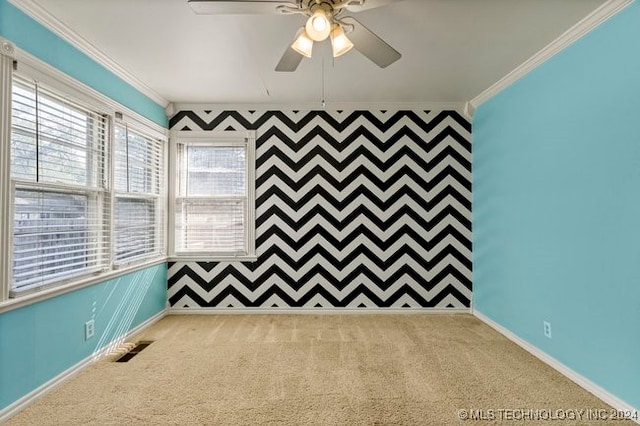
289	61
368	4
237	7
370	45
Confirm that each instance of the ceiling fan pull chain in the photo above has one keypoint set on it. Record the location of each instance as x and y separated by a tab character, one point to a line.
324	104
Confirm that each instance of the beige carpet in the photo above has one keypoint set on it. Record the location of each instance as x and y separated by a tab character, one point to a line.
409	369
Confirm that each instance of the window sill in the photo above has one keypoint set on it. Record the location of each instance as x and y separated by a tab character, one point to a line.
196	258
32	297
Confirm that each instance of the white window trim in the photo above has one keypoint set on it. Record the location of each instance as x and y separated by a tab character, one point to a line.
32	67
96	270
7	55
238	138
41	71
33	296
98	227
139	127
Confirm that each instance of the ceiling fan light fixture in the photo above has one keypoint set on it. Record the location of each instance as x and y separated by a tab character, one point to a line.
303	43
318	25
339	41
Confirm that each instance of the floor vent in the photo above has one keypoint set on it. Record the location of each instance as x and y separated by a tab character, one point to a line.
139	347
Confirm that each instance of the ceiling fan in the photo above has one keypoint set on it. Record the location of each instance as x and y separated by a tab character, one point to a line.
324	20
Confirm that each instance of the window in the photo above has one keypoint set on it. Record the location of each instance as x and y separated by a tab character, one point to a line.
139	187
213	194
82	187
59	188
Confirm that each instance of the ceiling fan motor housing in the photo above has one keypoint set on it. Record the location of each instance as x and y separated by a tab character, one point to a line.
328	6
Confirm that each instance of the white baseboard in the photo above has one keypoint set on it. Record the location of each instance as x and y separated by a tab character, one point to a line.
47	387
314	311
580	380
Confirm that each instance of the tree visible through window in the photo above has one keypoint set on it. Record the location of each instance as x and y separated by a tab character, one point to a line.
213	210
58	169
139	183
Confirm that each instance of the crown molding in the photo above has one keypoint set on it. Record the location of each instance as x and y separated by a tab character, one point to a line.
7	48
315	106
586	25
170	109
38	13
39	69
469	110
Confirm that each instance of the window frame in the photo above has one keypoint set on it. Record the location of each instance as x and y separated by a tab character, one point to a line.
159	199
96	188
246	139
15	61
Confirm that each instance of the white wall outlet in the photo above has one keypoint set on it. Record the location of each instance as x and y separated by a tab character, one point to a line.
89	329
546	325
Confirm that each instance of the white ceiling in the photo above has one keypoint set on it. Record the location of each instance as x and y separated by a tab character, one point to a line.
452	49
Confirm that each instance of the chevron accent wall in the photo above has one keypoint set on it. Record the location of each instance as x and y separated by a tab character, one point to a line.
355	209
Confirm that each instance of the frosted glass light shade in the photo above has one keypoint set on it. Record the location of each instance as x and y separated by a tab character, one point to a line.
339	41
303	44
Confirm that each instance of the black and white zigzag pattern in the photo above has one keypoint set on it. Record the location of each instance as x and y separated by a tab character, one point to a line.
354	209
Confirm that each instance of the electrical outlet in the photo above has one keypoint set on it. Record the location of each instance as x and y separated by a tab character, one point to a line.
89	329
546	325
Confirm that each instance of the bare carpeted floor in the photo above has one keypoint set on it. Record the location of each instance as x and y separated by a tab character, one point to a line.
421	369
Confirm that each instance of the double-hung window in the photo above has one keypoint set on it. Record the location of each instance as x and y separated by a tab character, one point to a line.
59	188
139	202
213	195
82	184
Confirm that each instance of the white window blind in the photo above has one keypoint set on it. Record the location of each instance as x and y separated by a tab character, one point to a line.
59	170
213	210
139	202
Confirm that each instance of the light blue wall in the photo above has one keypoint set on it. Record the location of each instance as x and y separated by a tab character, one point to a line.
42	340
30	36
556	204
